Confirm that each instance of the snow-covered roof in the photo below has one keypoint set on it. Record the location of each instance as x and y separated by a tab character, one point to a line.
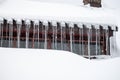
30	9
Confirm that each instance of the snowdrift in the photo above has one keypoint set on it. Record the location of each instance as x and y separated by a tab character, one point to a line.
36	64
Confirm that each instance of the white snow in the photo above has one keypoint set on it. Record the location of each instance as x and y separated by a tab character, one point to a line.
38	64
30	64
29	9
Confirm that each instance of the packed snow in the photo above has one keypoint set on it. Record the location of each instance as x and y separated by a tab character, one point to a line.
36	64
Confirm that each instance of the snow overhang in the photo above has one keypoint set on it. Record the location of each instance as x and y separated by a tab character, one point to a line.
62	23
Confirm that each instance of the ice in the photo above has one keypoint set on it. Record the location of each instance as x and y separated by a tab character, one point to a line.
96	41
88	42
55	37
61	38
18	36
27	35
71	49
45	45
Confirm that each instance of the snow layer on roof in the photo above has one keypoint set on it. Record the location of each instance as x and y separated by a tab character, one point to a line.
30	9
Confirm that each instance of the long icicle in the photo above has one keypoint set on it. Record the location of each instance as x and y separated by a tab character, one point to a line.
38	35
71	49
53	41
99	43
18	35
10	33
43	36
89	42
96	42
0	34
56	37
45	46
61	39
27	34
106	41
73	41
115	48
82	43
91	46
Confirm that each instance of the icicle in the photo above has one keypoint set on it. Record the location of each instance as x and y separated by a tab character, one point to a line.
61	39
1	31
33	40
79	41
64	39
103	45
53	40
54	24
113	42
71	40
43	36
56	37
96	41
36	34
82	42
27	32
27	35
10	32
91	52
18	34
45	45
71	49
96	30
99	39
12	35
38	37
62	35
92	47
6	38
80	38
89	42
107	33
106	36
0	34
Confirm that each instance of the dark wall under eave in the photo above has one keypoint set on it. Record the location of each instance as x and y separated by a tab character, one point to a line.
93	3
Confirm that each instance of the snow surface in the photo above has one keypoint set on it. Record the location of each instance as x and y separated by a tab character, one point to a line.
39	9
36	64
30	64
